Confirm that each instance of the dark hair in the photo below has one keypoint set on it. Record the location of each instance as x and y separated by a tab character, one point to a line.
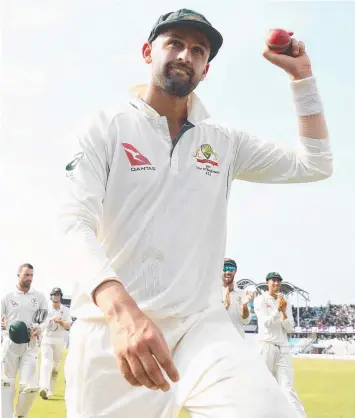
26	265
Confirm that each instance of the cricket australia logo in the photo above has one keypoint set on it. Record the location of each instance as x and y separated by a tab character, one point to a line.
206	159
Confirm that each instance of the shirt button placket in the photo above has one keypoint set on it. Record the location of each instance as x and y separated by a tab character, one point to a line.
174	161
164	129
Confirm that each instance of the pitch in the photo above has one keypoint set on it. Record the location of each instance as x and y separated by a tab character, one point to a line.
326	388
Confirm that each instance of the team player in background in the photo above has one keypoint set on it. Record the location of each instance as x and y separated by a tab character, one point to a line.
53	343
19	349
235	300
275	321
146	216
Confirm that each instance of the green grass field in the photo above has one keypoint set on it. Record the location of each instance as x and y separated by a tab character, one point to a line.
326	387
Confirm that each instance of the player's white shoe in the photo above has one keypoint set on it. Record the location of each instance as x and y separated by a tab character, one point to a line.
44	394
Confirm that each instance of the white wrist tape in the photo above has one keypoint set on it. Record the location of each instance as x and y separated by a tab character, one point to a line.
306	97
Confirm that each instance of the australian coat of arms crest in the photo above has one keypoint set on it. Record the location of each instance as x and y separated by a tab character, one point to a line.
205	155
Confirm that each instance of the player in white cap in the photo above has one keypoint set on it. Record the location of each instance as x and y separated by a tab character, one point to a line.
146	215
235	300
19	349
53	343
275	321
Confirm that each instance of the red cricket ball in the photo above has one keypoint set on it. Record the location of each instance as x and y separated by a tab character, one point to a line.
278	39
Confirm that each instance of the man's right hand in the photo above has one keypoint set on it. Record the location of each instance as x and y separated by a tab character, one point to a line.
282	303
140	348
35	332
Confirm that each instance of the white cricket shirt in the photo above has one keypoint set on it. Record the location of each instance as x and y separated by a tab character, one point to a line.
20	306
236	297
271	327
153	211
54	333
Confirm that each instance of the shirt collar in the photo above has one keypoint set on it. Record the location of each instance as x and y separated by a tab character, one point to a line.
30	292
270	297
196	111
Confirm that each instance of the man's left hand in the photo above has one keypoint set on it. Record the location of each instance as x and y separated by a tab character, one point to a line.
248	298
36	332
283	306
297	64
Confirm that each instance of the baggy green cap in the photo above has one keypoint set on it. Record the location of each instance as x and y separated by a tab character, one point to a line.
19	333
273	275
187	17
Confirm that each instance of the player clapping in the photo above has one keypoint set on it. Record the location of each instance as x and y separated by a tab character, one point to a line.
275	321
235	300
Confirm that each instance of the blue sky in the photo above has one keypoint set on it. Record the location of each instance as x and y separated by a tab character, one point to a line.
63	60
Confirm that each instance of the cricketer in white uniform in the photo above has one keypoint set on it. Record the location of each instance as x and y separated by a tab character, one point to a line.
53	343
146	220
235	300
20	305
275	321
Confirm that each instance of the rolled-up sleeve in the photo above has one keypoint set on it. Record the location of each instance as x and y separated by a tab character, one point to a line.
266	162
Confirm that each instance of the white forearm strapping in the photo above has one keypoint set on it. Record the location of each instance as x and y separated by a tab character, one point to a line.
306	97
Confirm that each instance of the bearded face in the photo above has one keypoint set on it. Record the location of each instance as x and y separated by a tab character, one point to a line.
179	60
228	278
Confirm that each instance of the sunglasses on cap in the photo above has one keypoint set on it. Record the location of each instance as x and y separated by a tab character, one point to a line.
229	268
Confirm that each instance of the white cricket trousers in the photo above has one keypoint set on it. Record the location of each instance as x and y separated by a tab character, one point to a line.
22	358
220	377
51	355
279	362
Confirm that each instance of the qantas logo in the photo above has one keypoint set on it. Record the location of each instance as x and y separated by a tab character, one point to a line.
136	159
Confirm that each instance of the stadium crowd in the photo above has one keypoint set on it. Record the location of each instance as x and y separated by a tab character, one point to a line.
326	316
